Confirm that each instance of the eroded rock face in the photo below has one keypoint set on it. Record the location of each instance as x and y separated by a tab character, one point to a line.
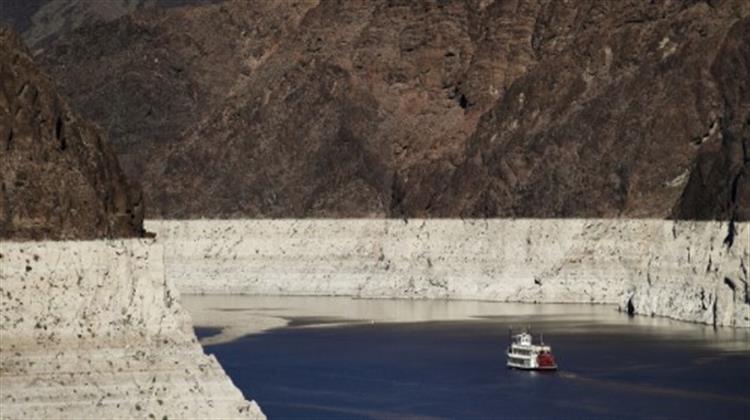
93	330
722	168
626	105
60	178
464	108
684	270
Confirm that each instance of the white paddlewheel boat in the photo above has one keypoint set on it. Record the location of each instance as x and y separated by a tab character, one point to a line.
524	354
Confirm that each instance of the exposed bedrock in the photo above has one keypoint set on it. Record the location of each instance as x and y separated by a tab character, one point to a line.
88	329
59	178
475	108
682	270
94	330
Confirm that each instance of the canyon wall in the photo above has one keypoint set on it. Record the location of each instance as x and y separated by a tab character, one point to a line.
88	329
692	271
93	329
431	108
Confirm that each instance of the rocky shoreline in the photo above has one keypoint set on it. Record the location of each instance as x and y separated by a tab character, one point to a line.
93	329
90	327
265	109
683	270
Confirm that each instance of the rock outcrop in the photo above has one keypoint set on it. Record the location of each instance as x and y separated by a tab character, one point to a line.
683	270
477	108
92	329
632	111
59	178
88	329
722	168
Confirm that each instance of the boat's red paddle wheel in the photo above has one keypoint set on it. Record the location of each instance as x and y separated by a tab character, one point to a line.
545	360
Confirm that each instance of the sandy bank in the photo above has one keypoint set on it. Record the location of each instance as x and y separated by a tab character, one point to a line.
681	270
93	329
235	316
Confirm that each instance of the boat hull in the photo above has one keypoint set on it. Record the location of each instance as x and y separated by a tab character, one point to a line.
534	368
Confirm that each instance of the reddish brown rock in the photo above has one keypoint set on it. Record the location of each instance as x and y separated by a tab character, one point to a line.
506	108
720	178
611	120
60	179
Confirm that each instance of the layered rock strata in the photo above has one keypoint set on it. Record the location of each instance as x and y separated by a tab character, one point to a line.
94	330
692	271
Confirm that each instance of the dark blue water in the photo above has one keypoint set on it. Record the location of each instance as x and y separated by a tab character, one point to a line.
457	370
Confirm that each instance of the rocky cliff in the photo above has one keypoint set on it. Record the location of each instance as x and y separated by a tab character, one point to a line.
645	118
88	329
93	330
528	108
683	270
59	177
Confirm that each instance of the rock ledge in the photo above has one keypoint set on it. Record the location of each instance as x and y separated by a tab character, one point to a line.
94	330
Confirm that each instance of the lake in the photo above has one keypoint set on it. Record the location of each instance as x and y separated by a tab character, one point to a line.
350	358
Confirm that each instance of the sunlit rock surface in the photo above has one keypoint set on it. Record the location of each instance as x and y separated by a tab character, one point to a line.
94	330
88	329
683	270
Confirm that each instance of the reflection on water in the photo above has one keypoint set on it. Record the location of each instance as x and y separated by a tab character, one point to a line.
348	358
